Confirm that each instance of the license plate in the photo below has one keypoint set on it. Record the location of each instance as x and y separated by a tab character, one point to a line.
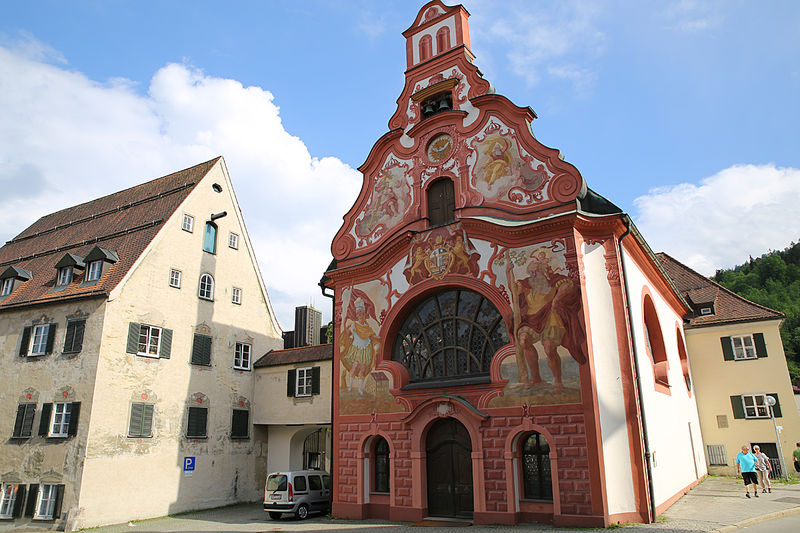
275	497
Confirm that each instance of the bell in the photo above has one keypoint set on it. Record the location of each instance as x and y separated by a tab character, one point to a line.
444	105
427	109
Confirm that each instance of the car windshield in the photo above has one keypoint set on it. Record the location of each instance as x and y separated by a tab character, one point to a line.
276	482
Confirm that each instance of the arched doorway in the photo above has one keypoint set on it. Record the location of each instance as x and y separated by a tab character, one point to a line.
449	457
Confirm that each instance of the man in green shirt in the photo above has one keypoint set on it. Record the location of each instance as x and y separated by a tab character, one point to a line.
796	454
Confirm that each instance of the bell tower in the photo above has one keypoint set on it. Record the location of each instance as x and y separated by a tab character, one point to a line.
437	30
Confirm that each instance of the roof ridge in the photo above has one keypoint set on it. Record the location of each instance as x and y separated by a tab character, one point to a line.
210	164
718	286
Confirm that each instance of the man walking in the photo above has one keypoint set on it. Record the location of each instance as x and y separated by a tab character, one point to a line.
746	464
796	454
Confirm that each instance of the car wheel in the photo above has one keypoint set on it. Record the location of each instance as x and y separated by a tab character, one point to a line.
275	515
302	512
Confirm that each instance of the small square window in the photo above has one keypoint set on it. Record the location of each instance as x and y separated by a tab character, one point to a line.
233	241
47	501
705	311
64	276
236	295
39	339
303	383
8	285
188	223
175	278
755	406
94	271
241	356
60	421
743	347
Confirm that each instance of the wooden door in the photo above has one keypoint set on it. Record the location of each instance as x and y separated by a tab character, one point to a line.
449	458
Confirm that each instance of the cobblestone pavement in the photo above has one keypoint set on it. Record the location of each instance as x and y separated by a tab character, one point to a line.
717	504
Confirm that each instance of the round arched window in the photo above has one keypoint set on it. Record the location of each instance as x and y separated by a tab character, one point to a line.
450	335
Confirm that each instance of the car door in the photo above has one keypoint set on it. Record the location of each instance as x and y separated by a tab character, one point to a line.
318	499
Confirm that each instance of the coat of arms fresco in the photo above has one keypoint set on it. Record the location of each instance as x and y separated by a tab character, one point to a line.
439	252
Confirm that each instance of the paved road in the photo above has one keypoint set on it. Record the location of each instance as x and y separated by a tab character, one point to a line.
789	524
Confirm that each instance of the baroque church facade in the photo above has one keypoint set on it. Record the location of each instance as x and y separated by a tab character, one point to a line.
503	334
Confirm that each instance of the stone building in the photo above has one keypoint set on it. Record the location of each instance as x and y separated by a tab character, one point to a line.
128	326
507	347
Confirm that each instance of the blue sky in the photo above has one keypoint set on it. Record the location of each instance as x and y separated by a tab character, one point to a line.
683	113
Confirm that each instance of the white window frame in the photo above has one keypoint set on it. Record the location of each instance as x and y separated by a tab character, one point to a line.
59	420
64	276
759	407
8	498
302	386
94	270
149	332
8	285
188	223
39	339
236	296
233	241
705	311
207	292
46	505
744	350
175	278
242	356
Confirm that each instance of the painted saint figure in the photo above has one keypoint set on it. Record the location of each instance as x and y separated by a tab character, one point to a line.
546	308
359	344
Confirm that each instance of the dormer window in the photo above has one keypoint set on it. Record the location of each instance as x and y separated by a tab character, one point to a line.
94	271
706	311
436	104
64	277
8	286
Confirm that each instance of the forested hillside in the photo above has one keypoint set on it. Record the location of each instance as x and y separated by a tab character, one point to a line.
773	280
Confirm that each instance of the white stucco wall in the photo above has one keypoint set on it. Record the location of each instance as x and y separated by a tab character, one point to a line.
677	457
147	474
611	406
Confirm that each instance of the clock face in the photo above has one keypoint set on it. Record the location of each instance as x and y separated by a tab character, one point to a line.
440	147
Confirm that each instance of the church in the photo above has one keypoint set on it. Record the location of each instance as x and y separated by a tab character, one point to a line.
507	346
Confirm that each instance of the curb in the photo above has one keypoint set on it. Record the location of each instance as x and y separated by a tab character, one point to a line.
759	519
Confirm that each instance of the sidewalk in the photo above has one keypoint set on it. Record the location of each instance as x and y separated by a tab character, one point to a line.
719	504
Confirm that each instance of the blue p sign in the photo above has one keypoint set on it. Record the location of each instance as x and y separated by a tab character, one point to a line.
188	464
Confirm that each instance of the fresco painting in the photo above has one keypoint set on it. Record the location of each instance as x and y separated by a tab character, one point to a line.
442	251
548	327
500	173
389	201
362	388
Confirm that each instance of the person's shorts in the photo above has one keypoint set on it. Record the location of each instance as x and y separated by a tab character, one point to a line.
750	478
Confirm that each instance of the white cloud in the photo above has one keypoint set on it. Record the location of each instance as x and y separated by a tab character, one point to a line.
544	41
690	16
70	139
741	211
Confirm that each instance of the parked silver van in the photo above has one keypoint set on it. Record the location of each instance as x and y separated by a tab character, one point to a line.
298	492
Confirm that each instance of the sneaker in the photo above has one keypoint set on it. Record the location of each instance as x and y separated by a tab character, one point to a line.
748	494
764	491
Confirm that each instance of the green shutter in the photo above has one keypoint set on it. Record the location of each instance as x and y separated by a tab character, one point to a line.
27	421
133	338
44	421
73	418
290	383
69	337
196	425
201	350
166	343
18	502
59	500
51	338
761	346
33	490
727	348
147	421
239	424
776	409
19	421
73	338
26	339
315	380
135	424
738	408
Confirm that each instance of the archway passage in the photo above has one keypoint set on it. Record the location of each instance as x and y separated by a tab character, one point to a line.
449	457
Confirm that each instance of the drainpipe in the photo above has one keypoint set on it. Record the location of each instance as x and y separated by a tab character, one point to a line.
330	431
638	381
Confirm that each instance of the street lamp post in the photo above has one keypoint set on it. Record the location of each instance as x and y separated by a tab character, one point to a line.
771	401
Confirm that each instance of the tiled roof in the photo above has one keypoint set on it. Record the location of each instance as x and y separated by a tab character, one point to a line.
304	354
729	307
124	223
